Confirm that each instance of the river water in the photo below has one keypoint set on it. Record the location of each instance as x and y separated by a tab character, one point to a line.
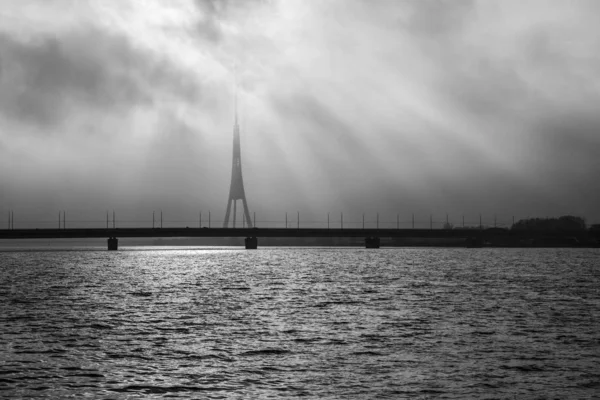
319	323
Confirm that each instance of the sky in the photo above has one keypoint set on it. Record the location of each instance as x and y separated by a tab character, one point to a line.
389	107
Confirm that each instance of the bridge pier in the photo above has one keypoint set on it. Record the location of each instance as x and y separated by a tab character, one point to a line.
372	242
473	242
251	243
113	243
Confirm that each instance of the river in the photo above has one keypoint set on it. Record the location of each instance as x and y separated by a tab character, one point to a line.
288	322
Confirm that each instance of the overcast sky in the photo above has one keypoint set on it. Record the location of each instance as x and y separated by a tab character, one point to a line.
424	106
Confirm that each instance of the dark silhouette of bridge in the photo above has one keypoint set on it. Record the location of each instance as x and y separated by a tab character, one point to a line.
372	236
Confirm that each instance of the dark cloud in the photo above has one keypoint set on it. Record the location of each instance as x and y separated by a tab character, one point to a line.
45	79
570	144
484	88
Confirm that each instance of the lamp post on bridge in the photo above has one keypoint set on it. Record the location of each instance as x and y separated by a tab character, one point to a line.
61	214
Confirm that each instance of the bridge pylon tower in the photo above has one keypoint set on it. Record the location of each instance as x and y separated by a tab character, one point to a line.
236	189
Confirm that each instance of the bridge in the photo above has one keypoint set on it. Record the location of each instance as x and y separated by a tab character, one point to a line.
372	236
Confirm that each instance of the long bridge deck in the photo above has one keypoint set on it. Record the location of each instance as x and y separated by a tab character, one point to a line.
245	232
271	232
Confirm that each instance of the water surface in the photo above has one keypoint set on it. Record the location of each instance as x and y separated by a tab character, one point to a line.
319	323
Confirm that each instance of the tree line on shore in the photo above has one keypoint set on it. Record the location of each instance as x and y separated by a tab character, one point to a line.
564	223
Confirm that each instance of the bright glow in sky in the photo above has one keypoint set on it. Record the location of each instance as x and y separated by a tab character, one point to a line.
423	106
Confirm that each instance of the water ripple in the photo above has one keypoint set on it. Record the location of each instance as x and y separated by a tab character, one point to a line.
318	323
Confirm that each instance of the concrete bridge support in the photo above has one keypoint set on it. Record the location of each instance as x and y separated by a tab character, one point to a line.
473	242
251	243
372	242
113	243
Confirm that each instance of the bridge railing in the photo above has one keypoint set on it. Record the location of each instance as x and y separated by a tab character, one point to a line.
291	221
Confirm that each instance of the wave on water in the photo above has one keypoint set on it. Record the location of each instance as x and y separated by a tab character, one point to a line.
341	323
